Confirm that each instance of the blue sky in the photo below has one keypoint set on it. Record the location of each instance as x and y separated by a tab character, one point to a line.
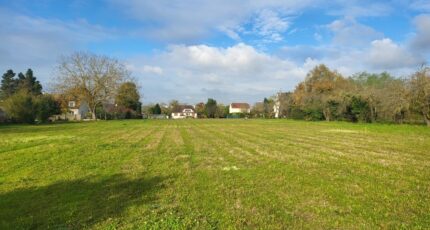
229	50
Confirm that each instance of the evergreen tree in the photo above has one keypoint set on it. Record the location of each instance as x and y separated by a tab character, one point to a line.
8	84
156	109
211	108
29	83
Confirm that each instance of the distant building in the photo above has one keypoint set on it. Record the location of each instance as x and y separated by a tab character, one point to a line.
184	111
239	108
77	110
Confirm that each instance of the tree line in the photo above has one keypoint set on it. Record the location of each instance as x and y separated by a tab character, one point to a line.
364	97
105	85
22	99
102	83
210	109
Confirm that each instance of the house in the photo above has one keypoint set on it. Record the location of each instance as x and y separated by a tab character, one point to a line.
77	110
239	108
184	111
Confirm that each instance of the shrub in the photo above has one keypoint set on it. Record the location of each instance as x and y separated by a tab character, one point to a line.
20	107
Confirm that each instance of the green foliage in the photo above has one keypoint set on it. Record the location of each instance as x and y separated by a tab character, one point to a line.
8	84
20	107
29	83
358	110
312	114
23	99
128	96
364	97
211	108
46	106
156	109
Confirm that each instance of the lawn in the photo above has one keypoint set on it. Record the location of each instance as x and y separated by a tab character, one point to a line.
210	174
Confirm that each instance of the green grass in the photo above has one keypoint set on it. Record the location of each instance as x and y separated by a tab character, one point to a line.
210	174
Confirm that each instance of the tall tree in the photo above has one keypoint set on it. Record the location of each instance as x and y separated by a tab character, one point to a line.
29	83
268	107
420	93
156	109
321	93
8	84
200	110
211	108
128	96
221	111
92	78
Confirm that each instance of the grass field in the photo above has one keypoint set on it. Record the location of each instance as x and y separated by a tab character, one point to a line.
209	174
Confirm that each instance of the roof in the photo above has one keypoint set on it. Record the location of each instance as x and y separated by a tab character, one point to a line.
240	105
180	108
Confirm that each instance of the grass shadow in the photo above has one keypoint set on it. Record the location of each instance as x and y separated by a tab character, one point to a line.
75	204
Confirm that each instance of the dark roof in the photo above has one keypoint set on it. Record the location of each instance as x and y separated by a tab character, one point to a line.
240	105
180	108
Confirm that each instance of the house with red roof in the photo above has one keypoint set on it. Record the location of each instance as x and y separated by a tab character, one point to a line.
239	108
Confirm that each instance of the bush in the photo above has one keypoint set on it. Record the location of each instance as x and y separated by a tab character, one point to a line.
20	107
313	115
46	106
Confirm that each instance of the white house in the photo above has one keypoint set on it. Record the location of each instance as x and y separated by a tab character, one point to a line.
184	111
77	110
239	108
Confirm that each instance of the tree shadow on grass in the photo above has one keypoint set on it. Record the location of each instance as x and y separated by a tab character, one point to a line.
75	204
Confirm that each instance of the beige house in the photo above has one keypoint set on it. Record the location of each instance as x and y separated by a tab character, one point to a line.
184	111
239	108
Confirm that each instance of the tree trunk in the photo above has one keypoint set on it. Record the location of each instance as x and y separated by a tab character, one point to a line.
93	113
326	114
427	119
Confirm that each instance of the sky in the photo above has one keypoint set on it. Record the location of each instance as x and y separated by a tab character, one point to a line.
230	50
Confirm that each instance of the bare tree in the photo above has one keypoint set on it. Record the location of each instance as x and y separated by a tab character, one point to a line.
420	93
92	78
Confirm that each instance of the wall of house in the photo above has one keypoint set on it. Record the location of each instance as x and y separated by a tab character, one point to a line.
238	110
184	115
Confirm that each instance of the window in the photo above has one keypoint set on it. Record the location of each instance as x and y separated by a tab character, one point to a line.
72	104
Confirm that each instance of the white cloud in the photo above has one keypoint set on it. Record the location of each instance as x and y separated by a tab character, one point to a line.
188	20
270	25
348	32
152	69
420	5
354	9
30	42
385	54
421	40
239	72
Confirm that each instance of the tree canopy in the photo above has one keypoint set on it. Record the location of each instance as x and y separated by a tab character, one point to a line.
92	78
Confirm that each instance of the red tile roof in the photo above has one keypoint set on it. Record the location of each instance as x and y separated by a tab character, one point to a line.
240	105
